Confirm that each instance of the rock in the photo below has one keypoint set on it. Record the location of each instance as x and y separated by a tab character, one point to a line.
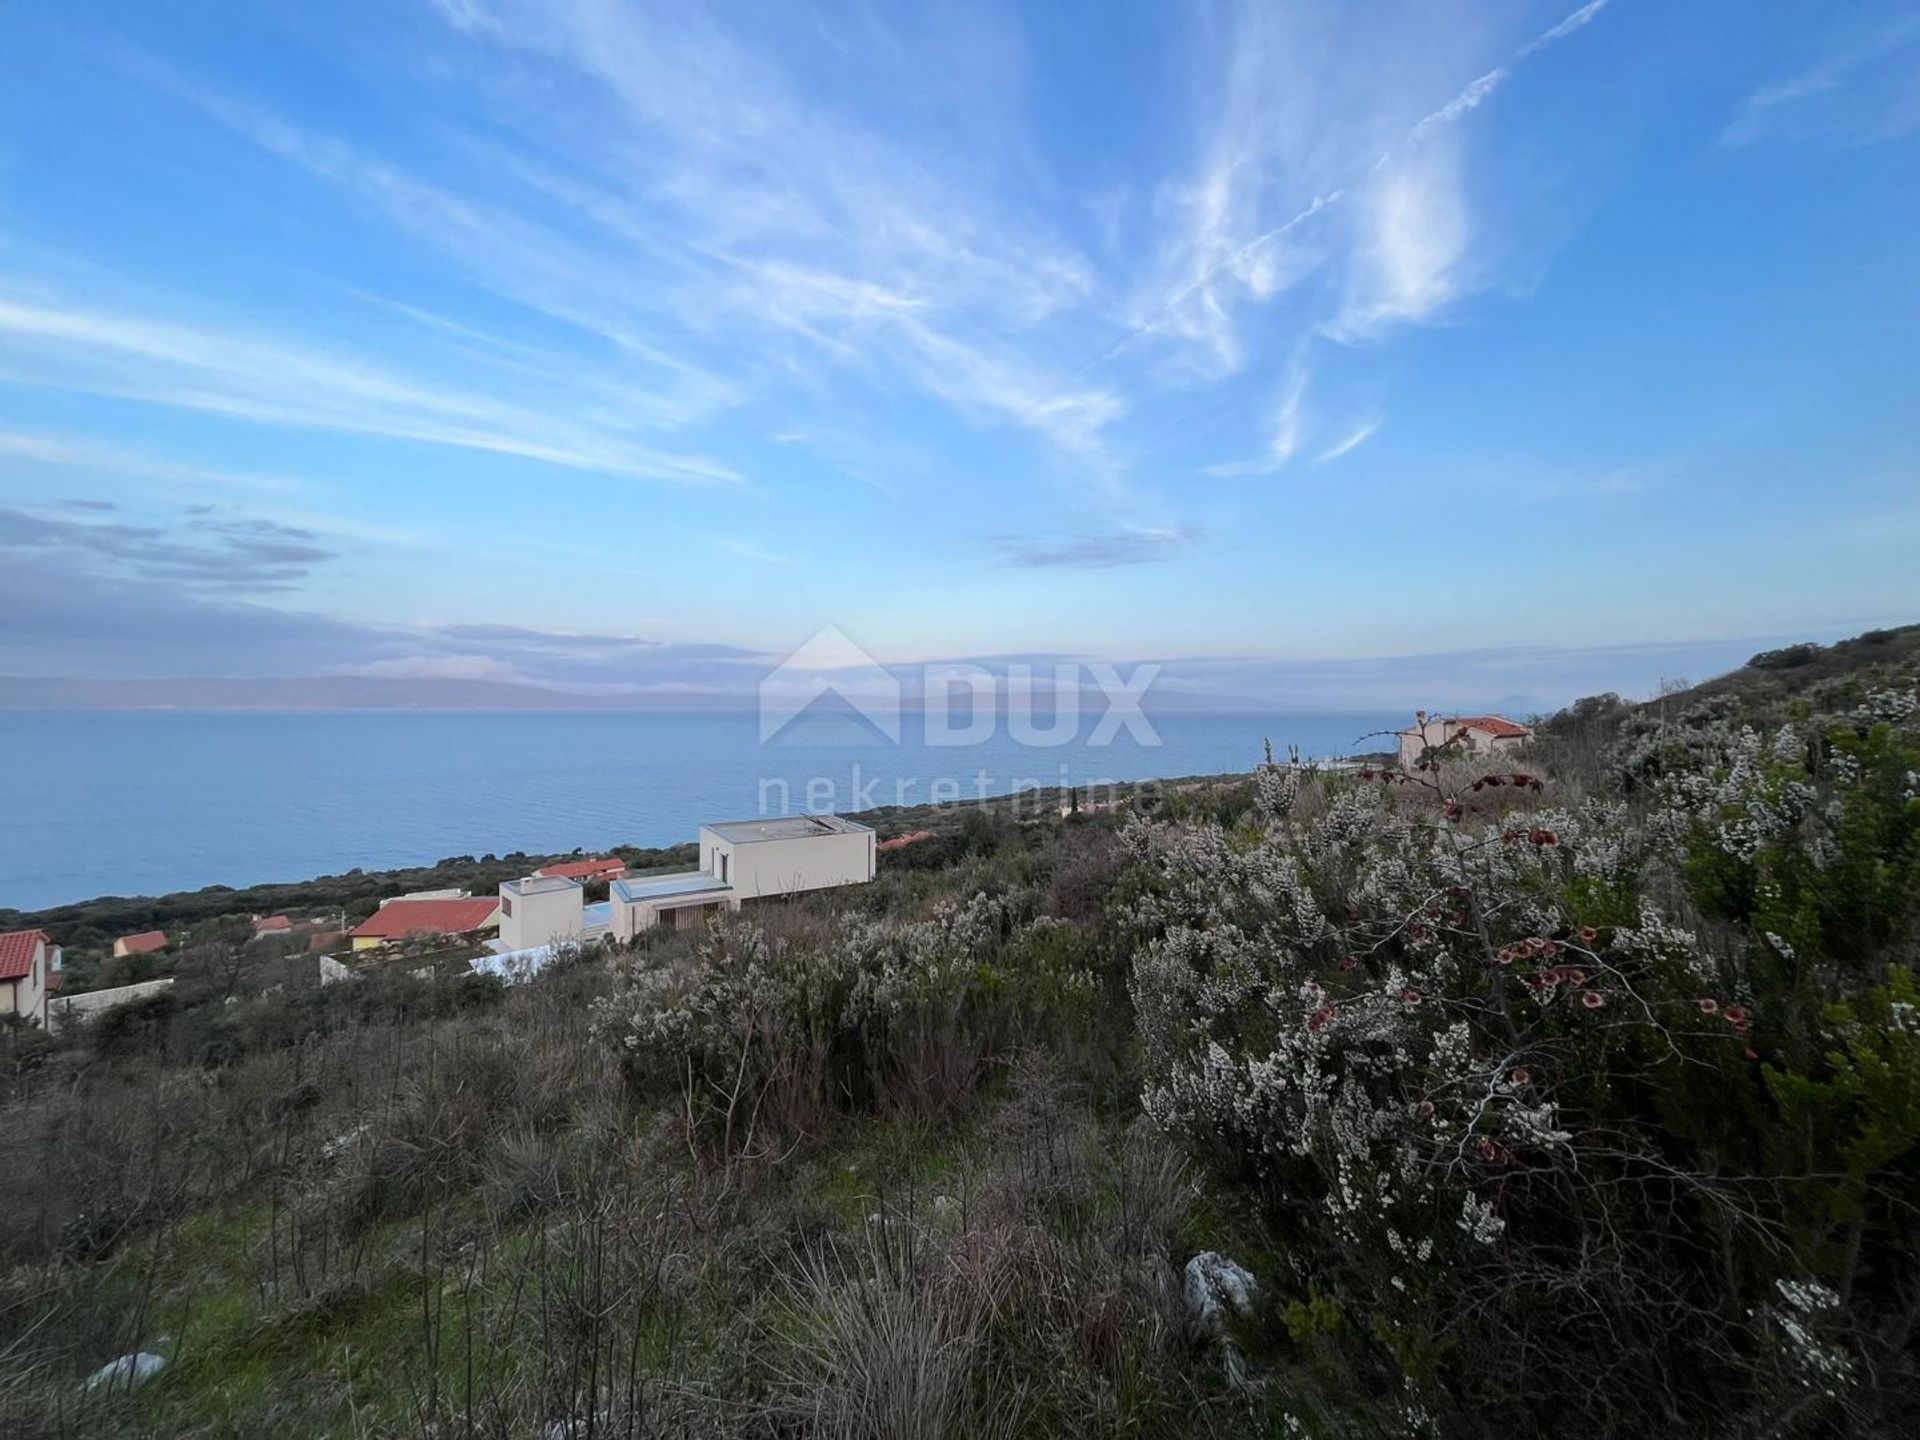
1216	1286
128	1371
942	1204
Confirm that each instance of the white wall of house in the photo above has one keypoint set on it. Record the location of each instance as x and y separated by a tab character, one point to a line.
757	868
1414	741
622	920
27	996
540	912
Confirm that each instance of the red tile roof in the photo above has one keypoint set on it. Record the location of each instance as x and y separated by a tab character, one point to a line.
584	870
437	917
145	943
900	842
267	925
16	952
1494	725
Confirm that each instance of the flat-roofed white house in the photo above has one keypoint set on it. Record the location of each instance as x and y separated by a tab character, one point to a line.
541	910
743	860
1463	735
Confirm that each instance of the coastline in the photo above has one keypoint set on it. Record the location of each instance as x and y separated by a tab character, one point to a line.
331	890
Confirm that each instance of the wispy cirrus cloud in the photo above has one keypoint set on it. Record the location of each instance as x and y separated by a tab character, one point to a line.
1339	202
272	380
661	182
1351	441
1866	90
764	214
78	452
1288	425
1302	180
1412	239
1141	545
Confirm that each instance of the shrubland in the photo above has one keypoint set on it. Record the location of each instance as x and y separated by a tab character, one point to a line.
1576	1088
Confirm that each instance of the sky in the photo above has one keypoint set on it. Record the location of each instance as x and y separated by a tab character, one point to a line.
1498	348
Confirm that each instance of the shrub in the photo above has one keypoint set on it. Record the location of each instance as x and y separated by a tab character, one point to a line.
762	1034
1490	1089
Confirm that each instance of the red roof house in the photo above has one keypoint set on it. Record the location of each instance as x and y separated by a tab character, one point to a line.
398	919
17	949
29	972
145	943
1458	735
583	870
272	925
1495	725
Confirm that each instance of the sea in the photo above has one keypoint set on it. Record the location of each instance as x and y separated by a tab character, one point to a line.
148	802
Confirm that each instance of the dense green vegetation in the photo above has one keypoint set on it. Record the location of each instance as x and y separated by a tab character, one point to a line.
1584	1093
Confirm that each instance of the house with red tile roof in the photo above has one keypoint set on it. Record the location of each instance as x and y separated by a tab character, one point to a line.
1459	735
398	919
29	973
264	925
145	943
585	871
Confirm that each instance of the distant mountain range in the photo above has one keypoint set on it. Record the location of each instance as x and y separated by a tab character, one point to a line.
351	692
333	692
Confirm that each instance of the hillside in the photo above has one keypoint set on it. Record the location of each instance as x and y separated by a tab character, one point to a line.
1771	687
1583	1094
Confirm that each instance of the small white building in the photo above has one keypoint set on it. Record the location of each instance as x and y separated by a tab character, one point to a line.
541	910
744	860
1461	735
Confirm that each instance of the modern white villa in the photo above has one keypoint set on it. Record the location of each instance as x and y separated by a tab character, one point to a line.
740	860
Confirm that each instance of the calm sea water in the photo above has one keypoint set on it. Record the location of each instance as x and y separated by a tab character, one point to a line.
149	802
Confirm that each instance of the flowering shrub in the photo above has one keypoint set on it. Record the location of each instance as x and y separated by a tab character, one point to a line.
1612	1104
877	1012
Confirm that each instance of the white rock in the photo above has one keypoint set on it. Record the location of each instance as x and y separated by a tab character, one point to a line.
128	1371
1215	1285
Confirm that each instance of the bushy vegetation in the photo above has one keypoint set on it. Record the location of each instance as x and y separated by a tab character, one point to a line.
1580	1091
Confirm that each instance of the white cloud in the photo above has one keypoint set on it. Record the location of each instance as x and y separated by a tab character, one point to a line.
1865	92
1307	128
1411	240
788	221
1288	425
274	381
1351	441
75	452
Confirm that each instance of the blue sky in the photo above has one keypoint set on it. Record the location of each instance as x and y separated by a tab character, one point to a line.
626	345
